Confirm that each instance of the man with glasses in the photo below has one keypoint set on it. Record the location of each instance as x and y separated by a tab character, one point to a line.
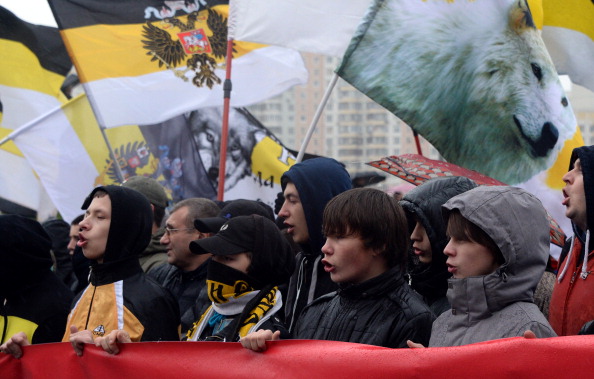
185	273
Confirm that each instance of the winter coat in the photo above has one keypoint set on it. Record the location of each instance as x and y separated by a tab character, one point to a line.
571	306
317	180
423	203
500	304
189	288
120	295
33	299
382	311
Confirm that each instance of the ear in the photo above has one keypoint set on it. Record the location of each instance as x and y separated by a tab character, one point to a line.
520	17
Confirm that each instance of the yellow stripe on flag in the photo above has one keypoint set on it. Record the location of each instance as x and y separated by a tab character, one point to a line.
570	14
19	67
113	51
561	165
9	146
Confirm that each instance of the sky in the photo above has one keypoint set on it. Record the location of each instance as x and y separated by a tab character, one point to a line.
33	11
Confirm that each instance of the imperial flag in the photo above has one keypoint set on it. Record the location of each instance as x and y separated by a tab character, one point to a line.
144	62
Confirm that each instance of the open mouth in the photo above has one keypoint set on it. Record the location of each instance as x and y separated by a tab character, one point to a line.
82	241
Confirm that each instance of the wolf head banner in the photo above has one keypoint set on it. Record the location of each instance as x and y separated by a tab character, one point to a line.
472	77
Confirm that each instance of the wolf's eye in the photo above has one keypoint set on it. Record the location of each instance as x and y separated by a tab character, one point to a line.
209	137
493	72
564	102
537	71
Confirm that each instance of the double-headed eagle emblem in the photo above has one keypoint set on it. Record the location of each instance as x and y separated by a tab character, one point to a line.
191	41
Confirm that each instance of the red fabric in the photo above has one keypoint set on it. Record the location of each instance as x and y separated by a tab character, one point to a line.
513	357
417	169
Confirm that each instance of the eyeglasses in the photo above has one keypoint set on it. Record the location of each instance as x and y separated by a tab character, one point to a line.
170	231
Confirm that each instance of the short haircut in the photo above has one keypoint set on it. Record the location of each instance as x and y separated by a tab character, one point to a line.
464	230
372	215
158	214
77	219
197	208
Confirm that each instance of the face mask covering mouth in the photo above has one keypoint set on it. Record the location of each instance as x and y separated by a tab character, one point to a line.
225	283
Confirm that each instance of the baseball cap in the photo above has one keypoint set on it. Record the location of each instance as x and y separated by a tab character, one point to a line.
149	187
240	207
273	261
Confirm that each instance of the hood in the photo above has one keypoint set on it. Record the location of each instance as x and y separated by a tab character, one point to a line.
24	252
424	203
586	156
317	180
517	223
131	223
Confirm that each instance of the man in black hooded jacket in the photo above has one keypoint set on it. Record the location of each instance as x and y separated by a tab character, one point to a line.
115	230
34	303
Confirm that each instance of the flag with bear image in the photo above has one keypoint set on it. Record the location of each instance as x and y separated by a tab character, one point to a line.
474	78
144	62
33	64
568	33
188	149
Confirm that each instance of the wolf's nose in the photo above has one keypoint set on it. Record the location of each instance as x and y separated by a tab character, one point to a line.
548	139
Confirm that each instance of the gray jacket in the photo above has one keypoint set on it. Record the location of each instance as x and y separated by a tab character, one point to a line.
498	305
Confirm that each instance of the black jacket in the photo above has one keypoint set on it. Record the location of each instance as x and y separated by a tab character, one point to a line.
424	203
32	298
317	180
189	288
118	286
382	311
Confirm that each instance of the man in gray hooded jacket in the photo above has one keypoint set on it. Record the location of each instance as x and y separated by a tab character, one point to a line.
498	304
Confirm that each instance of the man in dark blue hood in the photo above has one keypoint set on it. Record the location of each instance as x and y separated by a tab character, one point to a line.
307	187
33	301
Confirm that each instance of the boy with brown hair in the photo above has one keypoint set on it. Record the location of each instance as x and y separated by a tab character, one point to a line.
365	252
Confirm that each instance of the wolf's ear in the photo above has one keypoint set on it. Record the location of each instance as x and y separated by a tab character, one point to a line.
520	17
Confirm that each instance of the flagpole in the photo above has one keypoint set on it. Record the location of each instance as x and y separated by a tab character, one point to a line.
117	168
225	130
14	134
417	142
317	115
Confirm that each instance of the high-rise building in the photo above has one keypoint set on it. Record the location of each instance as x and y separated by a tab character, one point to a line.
352	128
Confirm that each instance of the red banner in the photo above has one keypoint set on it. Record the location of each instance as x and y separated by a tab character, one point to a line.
517	357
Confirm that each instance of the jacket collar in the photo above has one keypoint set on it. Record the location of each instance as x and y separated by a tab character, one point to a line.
374	287
111	272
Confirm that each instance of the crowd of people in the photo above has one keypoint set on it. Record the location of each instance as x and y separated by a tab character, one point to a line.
450	263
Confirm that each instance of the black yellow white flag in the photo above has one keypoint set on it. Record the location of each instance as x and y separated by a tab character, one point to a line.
144	62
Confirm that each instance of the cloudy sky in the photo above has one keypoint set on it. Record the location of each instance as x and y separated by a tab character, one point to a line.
33	11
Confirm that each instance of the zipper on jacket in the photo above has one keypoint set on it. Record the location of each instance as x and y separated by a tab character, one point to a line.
564	320
90	308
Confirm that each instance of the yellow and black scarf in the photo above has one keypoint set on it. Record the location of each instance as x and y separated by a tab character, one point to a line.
232	295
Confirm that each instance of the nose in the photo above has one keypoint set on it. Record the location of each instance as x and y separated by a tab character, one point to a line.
449	249
164	240
283	211
326	248
567	177
415	235
84	225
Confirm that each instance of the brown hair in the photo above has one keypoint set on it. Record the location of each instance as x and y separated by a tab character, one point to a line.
462	229
372	215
